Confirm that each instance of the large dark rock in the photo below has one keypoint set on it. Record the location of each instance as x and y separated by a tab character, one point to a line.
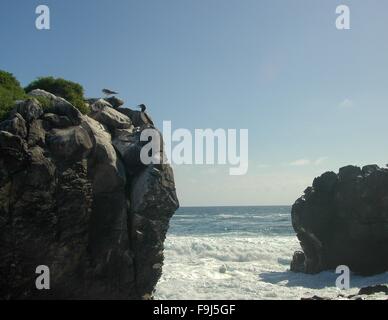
343	220
75	201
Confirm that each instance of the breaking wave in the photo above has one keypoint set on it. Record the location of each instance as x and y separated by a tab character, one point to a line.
240	253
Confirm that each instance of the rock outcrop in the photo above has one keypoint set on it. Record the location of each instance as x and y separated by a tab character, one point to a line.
364	293
343	220
75	197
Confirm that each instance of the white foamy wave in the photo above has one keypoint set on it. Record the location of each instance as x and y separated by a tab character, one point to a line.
252	216
234	216
231	249
235	267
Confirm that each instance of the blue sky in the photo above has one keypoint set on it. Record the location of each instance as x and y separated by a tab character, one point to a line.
313	98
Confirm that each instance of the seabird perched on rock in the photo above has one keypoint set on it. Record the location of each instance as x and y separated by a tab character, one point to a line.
144	116
142	107
109	92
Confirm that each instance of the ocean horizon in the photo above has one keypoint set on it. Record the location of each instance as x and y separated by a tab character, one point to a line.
241	252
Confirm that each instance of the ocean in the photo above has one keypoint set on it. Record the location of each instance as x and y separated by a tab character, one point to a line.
240	253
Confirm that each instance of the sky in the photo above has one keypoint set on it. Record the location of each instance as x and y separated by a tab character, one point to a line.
313	98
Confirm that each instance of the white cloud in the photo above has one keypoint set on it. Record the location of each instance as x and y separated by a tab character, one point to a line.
347	103
300	162
307	162
320	160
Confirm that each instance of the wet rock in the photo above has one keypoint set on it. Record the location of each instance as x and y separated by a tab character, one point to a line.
366	291
222	269
315	298
297	263
373	290
343	220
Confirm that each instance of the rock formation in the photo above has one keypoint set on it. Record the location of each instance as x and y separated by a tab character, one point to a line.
363	294
75	197
343	220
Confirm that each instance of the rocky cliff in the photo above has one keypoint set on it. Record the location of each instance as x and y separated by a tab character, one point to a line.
343	220
75	197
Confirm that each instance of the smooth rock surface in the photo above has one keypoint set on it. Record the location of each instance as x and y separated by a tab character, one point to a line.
103	112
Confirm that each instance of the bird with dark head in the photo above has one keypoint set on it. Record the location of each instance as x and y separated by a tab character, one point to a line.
142	107
146	119
108	92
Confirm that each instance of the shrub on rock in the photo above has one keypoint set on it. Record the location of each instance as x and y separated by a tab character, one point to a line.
71	91
10	91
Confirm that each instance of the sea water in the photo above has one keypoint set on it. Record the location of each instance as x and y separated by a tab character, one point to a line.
240	253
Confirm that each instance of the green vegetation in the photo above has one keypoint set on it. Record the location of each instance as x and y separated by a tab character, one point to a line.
10	91
71	91
44	102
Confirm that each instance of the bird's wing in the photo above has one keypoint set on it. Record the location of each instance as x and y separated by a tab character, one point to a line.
107	91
